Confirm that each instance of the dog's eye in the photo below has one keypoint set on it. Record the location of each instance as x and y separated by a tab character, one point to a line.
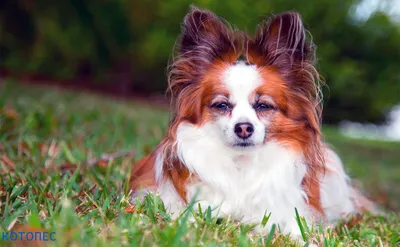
263	107
221	106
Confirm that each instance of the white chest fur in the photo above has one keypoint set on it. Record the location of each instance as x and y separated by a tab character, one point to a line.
243	184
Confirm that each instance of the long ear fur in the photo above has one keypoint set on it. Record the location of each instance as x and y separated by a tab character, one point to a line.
204	33
281	43
204	39
282	39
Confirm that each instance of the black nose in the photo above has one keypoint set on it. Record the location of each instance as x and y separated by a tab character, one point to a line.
244	130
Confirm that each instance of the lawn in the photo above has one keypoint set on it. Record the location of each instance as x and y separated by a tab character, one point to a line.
51	181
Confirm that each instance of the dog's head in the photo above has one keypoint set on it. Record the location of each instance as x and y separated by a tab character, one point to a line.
250	90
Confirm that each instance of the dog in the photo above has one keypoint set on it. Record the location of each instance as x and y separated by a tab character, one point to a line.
245	136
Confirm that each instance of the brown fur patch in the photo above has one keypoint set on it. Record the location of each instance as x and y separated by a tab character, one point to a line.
143	173
179	176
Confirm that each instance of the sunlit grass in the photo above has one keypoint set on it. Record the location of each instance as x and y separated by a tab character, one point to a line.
47	135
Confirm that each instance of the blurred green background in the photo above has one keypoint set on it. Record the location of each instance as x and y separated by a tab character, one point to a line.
127	44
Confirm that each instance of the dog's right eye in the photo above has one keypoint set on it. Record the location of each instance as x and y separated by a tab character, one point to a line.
221	106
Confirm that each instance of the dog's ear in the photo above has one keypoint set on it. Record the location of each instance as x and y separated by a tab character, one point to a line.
283	37
204	39
281	43
203	31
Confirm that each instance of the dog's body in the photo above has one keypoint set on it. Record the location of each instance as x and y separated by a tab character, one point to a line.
245	138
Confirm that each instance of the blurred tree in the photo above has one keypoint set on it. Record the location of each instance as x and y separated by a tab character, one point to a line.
128	43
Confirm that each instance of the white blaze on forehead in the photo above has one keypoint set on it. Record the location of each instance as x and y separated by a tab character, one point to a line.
241	80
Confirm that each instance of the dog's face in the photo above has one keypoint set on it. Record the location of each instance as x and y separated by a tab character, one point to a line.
239	113
239	104
250	90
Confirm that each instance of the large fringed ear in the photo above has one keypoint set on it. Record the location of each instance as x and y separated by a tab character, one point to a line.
282	39
281	43
204	39
203	32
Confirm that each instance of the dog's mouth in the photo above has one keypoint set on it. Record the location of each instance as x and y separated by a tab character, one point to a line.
243	144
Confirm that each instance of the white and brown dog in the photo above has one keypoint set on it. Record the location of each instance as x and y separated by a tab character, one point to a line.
246	131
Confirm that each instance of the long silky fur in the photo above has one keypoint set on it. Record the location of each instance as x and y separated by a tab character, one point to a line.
202	42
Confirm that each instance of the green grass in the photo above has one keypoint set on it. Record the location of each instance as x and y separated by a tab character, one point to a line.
47	134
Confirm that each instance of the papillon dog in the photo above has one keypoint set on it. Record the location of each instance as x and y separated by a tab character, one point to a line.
245	135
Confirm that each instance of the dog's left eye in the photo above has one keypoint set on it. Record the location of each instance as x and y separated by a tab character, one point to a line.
263	107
